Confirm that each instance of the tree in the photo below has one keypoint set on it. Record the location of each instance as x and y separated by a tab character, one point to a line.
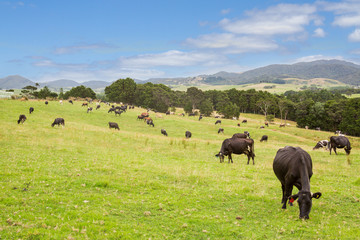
231	110
351	117
206	107
122	90
188	108
195	95
61	94
264	105
80	91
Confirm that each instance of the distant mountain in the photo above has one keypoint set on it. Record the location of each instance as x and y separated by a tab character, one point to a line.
96	84
15	81
61	83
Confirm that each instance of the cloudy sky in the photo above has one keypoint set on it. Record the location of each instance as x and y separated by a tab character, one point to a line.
87	40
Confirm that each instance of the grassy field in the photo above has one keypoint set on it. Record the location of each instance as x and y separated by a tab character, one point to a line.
86	181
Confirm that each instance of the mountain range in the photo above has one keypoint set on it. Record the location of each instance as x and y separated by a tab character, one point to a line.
342	71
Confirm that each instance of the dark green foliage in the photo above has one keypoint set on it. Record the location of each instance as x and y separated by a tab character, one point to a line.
80	91
44	93
122	90
206	107
351	117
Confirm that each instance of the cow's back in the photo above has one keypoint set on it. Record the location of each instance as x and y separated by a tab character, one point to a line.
289	160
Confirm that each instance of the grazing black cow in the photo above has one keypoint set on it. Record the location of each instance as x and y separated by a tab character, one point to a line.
236	146
31	109
89	109
70	101
22	119
167	113
163	132
58	121
150	123
238	124
218	122
267	124
339	142
321	144
293	167
188	134
46	102
140	117
262	127
244	121
221	130
191	114
114	125
200	117
118	112
264	138
247	133
97	107
239	135
111	110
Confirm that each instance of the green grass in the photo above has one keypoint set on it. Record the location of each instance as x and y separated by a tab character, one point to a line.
86	181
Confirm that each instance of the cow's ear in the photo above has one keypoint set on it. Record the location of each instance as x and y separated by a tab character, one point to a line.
293	198
316	195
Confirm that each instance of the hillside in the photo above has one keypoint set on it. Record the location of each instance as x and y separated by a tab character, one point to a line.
14	81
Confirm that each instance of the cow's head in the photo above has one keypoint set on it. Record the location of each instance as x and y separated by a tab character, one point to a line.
347	150
304	199
221	156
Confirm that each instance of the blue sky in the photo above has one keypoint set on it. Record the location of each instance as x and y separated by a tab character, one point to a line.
110	39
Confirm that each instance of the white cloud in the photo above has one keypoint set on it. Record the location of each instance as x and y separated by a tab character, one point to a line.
78	48
317	57
347	12
230	43
279	19
319	32
355	36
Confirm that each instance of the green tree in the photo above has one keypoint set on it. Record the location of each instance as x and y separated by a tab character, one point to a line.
195	95
230	110
61	94
206	107
351	117
80	91
122	90
188	108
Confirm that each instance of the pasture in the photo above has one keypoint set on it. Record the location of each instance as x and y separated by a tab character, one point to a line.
86	181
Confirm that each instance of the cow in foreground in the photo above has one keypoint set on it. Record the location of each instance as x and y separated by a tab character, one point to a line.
58	121
163	132
114	125
236	146
321	144
22	119
293	167
188	134
31	109
339	142
264	138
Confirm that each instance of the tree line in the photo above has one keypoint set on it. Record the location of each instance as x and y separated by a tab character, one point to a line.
314	108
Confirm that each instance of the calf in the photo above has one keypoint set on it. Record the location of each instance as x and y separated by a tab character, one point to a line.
264	138
236	146
31	109
321	144
188	134
58	121
22	119
339	142
293	167
114	125
163	132
218	122
221	130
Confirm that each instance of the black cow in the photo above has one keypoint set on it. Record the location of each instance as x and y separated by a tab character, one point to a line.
114	125
31	109
167	113
200	117
112	110
70	101
150	123
264	138
218	122
188	134
221	130
239	135
267	124
293	167
339	142
118	112
236	146
191	114
244	121
89	109
22	119
58	121
46	102
97	107
163	132
321	144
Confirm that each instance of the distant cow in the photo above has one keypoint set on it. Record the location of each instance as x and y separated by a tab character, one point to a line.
244	121
114	125
150	123
267	124
163	132
191	114
236	146
140	117
70	101
247	133
58	121
200	117
22	119
145	114
262	127
112	109
340	142
89	109
97	107
46	102
238	124
221	130
282	125
218	122
84	104
239	135
167	113
321	144
188	134
31	109
293	167
118	112
264	138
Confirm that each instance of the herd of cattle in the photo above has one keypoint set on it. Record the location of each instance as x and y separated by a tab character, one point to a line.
292	165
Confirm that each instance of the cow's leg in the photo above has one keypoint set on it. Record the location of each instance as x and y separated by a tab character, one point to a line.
283	193
230	158
253	156
335	150
288	191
